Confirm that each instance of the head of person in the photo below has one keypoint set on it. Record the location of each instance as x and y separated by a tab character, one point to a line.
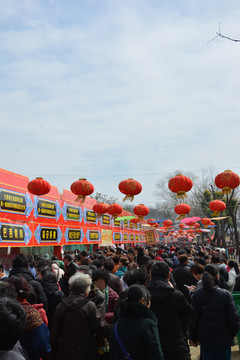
100	278
80	284
108	265
85	269
216	259
160	271
42	270
7	290
67	259
183	259
210	276
49	276
197	271
124	261
138	293
233	265
21	285
20	261
13	318
137	276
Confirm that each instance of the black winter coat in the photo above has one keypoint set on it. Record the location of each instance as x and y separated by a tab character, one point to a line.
171	309
137	329
182	276
215	319
75	324
37	287
69	271
54	296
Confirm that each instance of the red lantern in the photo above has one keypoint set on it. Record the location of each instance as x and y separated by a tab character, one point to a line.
227	181
156	225
114	210
197	225
39	186
141	211
217	206
181	226
135	220
181	232
182	210
206	222
180	184
82	188
212	223
100	209
167	223
130	188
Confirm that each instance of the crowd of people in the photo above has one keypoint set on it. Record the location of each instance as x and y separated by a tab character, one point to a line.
134	303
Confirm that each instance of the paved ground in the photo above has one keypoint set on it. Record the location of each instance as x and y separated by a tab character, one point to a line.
195	353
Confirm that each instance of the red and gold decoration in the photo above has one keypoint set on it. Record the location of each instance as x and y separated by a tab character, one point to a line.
217	206
227	181
39	186
82	188
206	222
100	209
180	184
182	210
115	210
130	188
141	211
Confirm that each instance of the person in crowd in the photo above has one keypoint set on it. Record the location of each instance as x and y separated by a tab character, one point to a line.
31	264
183	276
95	295
12	325
171	309
48	280
70	269
76	322
123	263
116	259
20	268
100	278
215	319
197	272
58	271
131	277
114	280
35	338
232	274
60	262
136	328
223	274
32	300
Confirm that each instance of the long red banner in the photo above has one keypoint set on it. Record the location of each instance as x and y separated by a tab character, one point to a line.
55	219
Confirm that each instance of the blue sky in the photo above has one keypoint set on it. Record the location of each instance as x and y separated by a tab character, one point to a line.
115	89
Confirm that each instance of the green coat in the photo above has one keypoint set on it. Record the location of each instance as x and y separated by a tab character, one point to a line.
137	329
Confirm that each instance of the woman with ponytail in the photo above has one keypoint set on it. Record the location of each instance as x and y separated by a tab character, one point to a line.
215	319
136	334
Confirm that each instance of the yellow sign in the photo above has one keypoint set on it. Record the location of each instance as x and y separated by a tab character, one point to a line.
150	237
106	237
